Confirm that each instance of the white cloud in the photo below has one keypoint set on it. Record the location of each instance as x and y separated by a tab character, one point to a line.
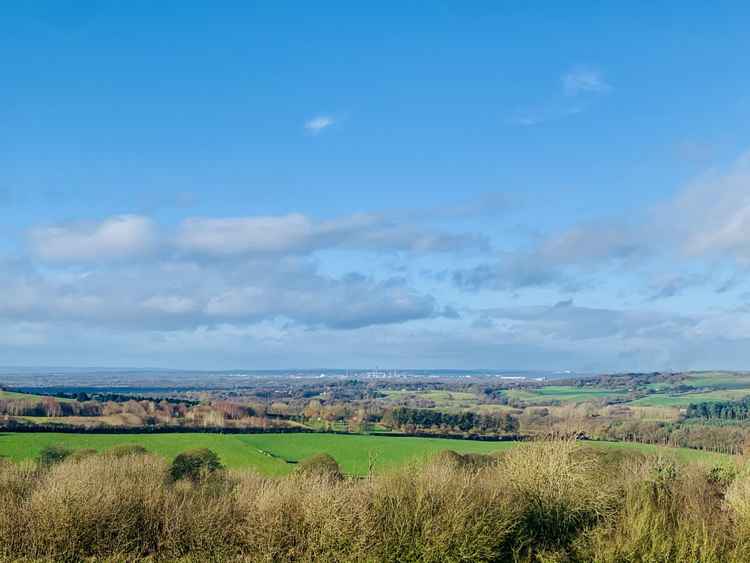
709	220
185	295
245	235
122	236
298	234
211	278
319	123
584	80
712	216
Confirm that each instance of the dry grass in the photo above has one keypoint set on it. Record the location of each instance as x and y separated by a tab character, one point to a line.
542	502
666	413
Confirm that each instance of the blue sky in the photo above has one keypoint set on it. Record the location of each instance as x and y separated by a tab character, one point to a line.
393	184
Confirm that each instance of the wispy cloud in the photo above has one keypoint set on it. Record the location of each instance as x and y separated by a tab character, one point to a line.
584	81
319	123
538	116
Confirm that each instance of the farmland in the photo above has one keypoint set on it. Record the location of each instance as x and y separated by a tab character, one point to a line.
10	395
247	451
666	398
652	408
276	454
563	393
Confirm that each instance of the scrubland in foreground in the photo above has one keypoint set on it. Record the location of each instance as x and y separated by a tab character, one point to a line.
541	502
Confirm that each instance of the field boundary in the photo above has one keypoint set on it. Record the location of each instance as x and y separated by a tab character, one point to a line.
70	429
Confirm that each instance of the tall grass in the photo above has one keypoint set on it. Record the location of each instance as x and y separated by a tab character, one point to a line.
541	502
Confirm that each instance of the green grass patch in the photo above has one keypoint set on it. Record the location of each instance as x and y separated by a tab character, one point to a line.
264	452
562	393
719	380
439	397
233	452
13	396
269	453
684	399
353	452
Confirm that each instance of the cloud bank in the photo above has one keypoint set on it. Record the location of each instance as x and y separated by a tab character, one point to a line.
403	287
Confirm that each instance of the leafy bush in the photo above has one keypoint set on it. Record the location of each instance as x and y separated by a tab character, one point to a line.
320	465
195	464
469	460
53	454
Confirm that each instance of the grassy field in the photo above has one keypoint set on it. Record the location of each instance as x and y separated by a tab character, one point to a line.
247	450
719	380
683	400
561	393
12	396
445	400
270	453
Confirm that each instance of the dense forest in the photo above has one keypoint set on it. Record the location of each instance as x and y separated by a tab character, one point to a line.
721	410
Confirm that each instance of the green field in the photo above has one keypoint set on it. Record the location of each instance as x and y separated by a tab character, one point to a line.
246	450
11	395
684	399
270	453
562	393
440	398
719	380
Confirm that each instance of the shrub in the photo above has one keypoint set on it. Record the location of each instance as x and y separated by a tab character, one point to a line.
666	513
468	460
125	450
17	481
100	506
83	453
557	492
539	502
195	465
437	513
449	458
53	454
320	465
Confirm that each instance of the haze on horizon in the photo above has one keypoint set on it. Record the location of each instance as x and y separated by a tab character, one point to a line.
443	185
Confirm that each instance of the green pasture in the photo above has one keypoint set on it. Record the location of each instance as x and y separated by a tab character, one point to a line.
684	399
274	454
13	396
719	380
439	397
267	453
562	393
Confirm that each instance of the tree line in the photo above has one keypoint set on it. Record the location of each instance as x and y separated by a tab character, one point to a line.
408	419
721	410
